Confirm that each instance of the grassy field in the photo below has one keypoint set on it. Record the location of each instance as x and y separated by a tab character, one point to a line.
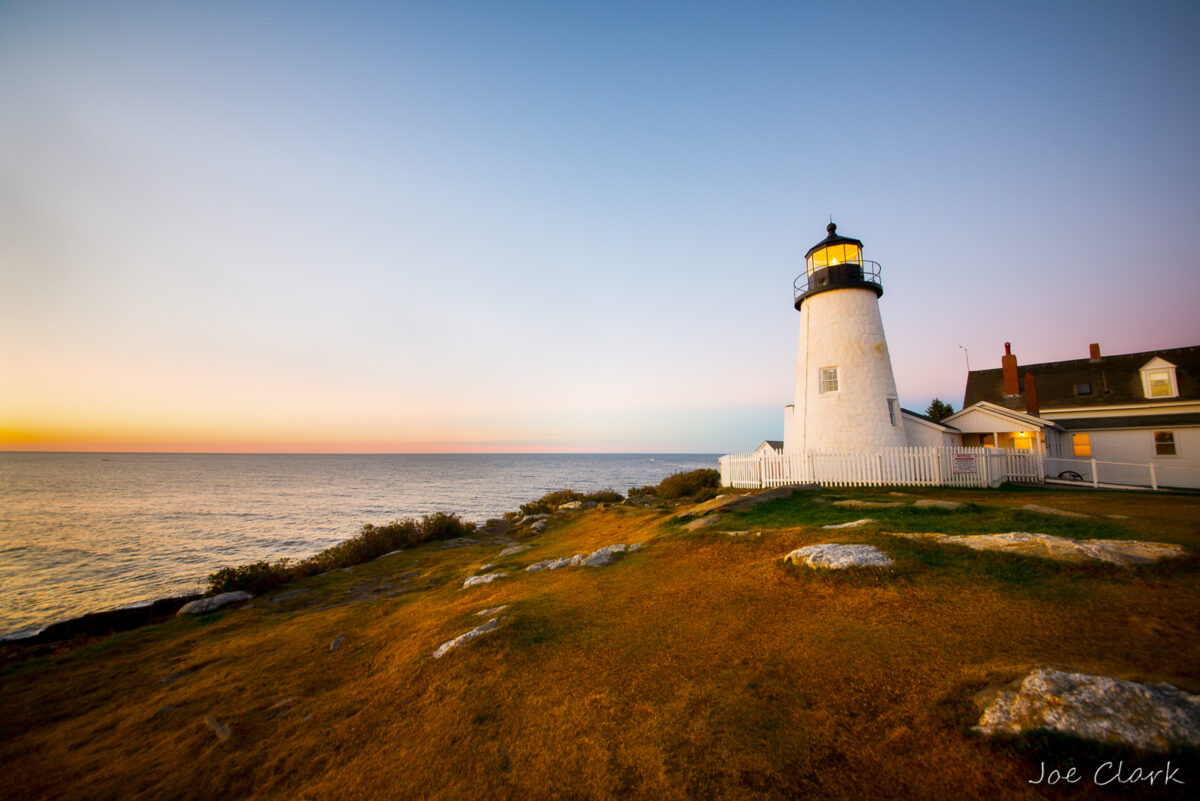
700	666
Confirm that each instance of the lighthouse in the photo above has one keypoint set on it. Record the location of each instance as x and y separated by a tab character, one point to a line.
845	392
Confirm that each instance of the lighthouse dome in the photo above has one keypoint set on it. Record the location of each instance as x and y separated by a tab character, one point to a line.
833	249
836	262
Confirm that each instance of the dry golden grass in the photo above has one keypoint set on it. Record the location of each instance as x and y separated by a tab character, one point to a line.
698	667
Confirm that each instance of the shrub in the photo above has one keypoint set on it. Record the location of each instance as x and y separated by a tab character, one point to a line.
677	485
606	495
371	543
253	578
549	502
443	526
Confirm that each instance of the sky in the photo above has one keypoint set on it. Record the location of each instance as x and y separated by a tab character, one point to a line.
545	226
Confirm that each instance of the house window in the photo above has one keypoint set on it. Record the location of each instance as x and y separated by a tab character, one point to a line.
829	379
893	412
1160	384
1164	443
1083	389
1082	443
1159	379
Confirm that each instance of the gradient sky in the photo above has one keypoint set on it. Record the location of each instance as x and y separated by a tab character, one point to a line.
565	226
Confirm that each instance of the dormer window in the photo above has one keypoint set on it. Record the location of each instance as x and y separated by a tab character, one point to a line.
1158	379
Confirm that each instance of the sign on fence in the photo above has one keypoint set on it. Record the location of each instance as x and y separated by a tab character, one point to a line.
964	463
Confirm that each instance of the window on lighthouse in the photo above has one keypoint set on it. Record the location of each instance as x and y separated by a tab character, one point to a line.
829	379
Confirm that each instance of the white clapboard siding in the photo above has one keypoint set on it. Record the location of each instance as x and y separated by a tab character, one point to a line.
907	466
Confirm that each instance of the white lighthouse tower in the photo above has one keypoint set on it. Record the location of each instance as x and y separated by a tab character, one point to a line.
845	392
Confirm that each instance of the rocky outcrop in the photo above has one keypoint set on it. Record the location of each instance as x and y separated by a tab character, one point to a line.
555	564
1047	546
1153	717
565	507
480	630
851	524
1049	510
838	556
703	522
931	503
512	549
495	610
605	556
337	643
488	579
204	605
538	527
460	542
738	503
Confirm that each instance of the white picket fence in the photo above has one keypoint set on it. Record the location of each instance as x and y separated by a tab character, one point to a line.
919	467
1100	473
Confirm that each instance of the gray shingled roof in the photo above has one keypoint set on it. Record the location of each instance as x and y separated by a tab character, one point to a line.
928	419
1133	421
1115	380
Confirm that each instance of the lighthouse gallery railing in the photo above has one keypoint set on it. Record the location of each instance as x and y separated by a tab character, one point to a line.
858	272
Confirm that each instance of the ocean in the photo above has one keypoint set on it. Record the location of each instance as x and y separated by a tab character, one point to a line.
85	532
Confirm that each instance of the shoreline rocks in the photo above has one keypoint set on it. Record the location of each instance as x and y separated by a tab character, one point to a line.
205	605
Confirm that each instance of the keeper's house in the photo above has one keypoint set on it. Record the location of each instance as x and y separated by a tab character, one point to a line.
1134	407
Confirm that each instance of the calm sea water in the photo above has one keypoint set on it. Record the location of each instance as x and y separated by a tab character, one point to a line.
84	532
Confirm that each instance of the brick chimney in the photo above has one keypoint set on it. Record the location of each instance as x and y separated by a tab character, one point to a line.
1012	385
1031	398
1094	350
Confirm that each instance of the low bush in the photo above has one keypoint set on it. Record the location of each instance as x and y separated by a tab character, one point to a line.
254	578
681	484
550	501
606	495
371	543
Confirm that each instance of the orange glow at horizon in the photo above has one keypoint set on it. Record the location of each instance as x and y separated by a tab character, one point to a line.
72	441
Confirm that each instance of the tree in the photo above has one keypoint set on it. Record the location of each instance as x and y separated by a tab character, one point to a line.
938	410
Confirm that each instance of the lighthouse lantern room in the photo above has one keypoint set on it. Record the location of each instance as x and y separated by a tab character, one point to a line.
846	397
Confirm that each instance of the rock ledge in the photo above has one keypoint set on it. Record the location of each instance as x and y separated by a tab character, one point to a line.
1153	717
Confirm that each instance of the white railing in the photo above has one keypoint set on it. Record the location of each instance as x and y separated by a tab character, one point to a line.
1121	474
921	467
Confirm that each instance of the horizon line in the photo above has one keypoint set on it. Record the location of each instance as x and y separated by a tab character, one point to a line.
369	453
